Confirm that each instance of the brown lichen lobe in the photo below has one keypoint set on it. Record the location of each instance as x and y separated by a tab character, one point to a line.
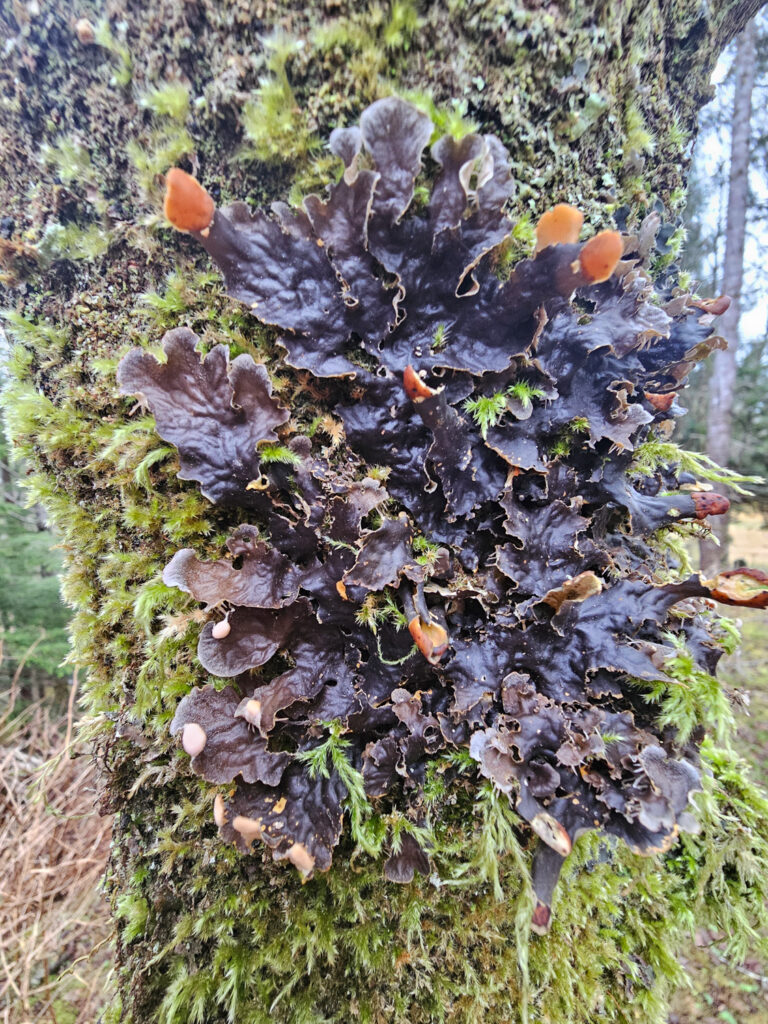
193	739
430	638
301	858
746	588
559	226
414	386
600	255
187	205
708	503
271	262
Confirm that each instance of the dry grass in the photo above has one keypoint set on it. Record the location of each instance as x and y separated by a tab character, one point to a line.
55	931
749	538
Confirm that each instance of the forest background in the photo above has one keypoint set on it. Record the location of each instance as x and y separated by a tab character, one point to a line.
55	933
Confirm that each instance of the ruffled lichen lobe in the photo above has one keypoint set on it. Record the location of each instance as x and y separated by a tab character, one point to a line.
532	671
187	205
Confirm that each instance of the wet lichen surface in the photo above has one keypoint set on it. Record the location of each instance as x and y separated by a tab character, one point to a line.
206	932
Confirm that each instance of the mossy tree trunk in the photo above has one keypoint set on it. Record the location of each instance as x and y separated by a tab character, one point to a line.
597	104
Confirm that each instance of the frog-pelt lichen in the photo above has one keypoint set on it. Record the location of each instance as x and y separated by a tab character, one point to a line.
536	610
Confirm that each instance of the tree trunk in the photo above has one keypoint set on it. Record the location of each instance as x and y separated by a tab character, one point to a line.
723	376
597	104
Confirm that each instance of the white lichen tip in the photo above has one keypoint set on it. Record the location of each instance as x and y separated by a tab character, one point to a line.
193	738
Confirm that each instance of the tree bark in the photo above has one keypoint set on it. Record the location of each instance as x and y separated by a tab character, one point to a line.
597	104
723	376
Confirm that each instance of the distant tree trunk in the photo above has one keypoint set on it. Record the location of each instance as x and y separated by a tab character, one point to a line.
723	376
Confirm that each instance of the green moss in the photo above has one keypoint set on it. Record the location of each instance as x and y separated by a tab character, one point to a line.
524	392
427	552
675	246
448	118
694	697
163	148
134	914
487	410
425	955
168	100
655	452
73	242
637	136
517	246
69	159
379	608
563	445
122	56
270	453
274	125
402	25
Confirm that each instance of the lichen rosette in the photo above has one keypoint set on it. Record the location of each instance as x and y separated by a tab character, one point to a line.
472	568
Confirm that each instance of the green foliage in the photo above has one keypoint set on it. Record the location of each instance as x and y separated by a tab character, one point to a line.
29	335
724	869
655	453
402	25
524	393
564	443
32	617
637	135
693	697
134	913
69	158
164	148
124	64
518	245
330	754
449	119
426	552
196	299
674	247
153	597
280	453
182	293
440	338
274	126
487	410
168	100
168	142
497	839
373	38
673	543
381	607
73	241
